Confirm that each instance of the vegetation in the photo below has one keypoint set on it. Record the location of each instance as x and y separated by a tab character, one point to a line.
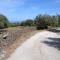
4	23
40	20
14	24
48	20
43	21
28	22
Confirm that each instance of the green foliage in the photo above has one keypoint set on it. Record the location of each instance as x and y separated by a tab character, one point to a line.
58	18
28	22
14	24
3	22
40	20
1	25
22	23
48	20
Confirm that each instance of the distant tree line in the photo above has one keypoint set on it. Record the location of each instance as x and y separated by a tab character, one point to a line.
49	20
43	19
28	22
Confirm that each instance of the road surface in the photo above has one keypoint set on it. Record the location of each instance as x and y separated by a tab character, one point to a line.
42	46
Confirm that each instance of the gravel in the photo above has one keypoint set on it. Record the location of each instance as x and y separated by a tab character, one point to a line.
11	37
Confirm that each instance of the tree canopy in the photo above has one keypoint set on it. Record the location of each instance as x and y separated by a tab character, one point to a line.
49	20
28	22
3	22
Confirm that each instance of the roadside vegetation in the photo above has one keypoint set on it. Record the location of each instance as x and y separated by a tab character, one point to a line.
39	20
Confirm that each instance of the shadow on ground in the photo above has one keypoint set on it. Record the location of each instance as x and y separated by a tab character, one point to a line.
53	42
54	30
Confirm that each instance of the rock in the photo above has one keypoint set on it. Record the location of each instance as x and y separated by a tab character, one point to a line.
2	53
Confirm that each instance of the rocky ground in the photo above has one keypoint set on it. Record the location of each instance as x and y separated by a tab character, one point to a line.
9	37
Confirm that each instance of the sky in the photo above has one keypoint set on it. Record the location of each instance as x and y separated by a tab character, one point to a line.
18	10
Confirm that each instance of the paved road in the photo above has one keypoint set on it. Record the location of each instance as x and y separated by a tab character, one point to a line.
42	46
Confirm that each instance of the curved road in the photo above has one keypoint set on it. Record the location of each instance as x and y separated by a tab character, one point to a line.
42	46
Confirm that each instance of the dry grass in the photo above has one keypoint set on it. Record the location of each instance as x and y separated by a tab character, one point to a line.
13	28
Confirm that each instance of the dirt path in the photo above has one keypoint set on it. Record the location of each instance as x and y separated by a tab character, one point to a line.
42	46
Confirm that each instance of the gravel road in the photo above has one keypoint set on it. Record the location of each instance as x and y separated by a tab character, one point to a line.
44	45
